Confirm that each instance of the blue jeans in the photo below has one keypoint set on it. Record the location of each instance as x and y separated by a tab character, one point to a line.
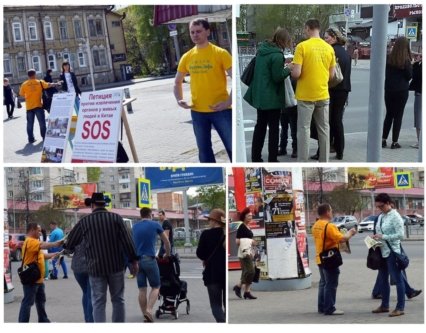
83	281
148	270
202	123
99	285
63	265
33	293
217	299
377	289
327	289
397	276
39	113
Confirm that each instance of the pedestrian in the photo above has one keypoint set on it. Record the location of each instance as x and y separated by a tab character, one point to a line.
43	238
355	55
339	93
168	231
145	234
288	118
266	93
69	79
107	241
212	251
416	86
399	72
8	98
327	236
35	292
211	103
32	91
390	231
313	66
245	242
56	235
47	102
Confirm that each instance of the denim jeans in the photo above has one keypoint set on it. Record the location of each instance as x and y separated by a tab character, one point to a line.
397	276
83	281
33	293
377	289
148	270
202	123
63	265
99	285
39	113
327	289
217	299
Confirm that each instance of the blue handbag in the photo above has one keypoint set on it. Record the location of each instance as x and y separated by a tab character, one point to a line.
402	260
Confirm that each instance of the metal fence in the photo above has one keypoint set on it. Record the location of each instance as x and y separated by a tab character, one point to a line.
245	54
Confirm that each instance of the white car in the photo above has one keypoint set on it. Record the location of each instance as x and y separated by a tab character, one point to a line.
367	224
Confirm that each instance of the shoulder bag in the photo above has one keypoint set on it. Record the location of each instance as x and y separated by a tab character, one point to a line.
338	76
29	274
402	261
248	73
375	260
331	258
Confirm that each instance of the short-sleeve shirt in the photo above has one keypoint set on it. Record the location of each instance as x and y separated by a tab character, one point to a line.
206	67
31	90
316	58
31	252
244	232
145	237
167	226
334	236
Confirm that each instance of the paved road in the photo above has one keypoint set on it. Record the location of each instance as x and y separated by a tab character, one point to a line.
64	299
161	130
353	294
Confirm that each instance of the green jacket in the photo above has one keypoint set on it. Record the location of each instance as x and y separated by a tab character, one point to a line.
266	91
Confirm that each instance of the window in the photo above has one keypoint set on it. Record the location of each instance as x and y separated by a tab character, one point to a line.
112	46
10	194
35	171
113	196
36	64
48	32
9	181
32	30
77	29
5	33
20	61
113	187
225	35
92	28
125	176
99	57
111	178
17	32
38	197
36	184
63	29
66	57
51	59
99	30
116	24
125	204
124	186
81	59
7	68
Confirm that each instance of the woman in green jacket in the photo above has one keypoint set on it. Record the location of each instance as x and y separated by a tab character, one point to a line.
266	93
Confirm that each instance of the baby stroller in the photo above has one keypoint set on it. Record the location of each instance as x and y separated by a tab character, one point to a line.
172	291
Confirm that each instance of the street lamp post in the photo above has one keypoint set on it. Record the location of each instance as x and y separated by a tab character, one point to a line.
86	44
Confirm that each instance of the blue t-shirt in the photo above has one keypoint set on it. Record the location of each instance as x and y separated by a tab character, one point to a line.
145	237
56	235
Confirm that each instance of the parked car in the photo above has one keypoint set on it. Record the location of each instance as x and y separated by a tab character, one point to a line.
416	219
345	221
180	233
15	246
367	224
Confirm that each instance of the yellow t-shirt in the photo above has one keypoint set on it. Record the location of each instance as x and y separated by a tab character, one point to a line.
334	236
32	92
207	68
31	251
316	58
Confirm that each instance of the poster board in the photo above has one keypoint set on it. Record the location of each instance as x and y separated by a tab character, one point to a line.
98	127
58	128
72	196
282	258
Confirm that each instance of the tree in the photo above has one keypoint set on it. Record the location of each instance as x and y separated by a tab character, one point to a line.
346	201
93	175
47	213
212	196
242	20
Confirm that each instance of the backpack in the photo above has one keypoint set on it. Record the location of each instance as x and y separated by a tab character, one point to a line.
248	73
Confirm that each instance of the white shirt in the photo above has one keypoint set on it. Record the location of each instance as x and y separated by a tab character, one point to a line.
70	85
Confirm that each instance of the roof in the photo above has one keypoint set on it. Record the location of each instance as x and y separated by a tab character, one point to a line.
185	14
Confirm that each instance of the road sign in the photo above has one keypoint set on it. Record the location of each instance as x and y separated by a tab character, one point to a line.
347	12
144	193
109	204
411	32
173	33
403	180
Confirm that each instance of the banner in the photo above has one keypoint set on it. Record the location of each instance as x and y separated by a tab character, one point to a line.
253	180
98	126
72	196
58	128
175	177
279	207
370	178
276	180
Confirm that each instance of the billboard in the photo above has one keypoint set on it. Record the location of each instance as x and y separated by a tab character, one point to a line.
370	178
175	177
72	196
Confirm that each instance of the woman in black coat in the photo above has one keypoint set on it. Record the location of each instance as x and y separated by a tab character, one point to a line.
69	80
8	98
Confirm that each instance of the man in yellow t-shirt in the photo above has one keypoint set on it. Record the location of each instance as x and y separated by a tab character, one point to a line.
34	293
313	66
211	103
32	91
329	278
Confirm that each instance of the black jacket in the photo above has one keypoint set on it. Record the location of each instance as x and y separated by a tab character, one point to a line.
51	90
345	65
416	82
398	79
8	97
74	81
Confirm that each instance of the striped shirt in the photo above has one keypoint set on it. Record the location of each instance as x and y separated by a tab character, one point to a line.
107	242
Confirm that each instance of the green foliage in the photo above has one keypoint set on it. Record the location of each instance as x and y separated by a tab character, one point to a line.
242	20
345	201
93	175
212	196
46	214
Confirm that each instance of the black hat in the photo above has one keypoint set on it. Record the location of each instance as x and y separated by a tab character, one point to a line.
97	198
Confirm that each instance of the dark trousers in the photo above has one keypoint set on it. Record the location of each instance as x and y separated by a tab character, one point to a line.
327	289
265	119
33	293
395	104
338	100
377	289
10	107
289	117
396	275
39	113
217	299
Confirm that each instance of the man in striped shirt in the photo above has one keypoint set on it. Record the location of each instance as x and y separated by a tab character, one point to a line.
107	243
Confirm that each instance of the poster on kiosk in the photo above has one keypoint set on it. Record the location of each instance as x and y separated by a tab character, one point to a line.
98	127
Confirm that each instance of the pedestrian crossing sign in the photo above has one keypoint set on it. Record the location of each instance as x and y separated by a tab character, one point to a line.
109	204
411	32
144	193
403	180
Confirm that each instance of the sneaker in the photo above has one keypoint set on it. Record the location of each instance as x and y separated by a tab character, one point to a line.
380	310
395	145
32	141
130	276
378	296
282	152
66	277
337	313
384	145
415	293
396	313
416	145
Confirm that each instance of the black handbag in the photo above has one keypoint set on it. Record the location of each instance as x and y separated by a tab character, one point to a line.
402	261
122	156
331	258
248	73
29	274
375	260
47	100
